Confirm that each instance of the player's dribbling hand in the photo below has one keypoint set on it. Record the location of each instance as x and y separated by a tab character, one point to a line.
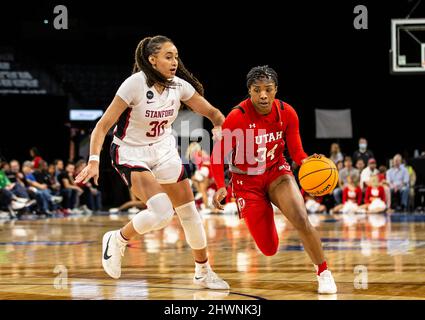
217	134
90	171
219	195
314	155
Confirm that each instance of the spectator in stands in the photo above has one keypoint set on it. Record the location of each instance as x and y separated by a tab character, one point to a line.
6	196
35	156
42	176
12	170
189	166
340	165
382	175
69	190
398	180
4	165
42	192
15	176
351	197
412	183
91	197
202	179
367	172
382	178
133	206
335	153
347	171
54	184
59	167
8	200
22	188
363	152
313	204
375	196
360	165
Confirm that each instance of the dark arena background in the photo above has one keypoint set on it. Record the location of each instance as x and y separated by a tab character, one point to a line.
328	61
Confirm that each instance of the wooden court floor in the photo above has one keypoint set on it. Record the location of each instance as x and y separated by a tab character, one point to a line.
60	258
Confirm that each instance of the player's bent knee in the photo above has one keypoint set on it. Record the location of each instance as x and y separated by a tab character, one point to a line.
160	204
164	220
159	214
193	227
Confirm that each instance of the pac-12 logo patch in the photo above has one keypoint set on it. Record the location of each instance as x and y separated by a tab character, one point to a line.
149	94
241	203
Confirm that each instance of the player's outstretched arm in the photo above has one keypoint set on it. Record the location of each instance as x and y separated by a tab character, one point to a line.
109	118
293	138
220	151
201	105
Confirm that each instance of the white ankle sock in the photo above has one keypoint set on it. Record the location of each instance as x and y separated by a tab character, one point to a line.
120	238
202	268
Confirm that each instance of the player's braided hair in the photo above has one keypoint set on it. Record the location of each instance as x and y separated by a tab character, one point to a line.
151	45
260	73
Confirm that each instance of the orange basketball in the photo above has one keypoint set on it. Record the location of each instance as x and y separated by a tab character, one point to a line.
318	176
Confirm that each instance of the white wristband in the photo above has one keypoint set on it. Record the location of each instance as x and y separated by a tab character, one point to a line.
94	157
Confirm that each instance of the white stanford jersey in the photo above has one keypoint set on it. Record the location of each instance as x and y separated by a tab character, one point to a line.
149	115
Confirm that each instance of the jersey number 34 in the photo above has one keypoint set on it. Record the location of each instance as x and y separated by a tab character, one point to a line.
262	153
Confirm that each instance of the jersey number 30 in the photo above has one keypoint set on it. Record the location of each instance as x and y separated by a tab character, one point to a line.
157	129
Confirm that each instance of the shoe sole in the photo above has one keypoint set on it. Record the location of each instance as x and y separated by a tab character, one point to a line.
333	292
203	285
104	242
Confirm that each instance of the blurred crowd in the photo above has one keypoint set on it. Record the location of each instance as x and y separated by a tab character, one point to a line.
38	187
365	186
41	188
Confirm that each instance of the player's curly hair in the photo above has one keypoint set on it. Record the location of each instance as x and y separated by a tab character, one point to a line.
150	46
261	73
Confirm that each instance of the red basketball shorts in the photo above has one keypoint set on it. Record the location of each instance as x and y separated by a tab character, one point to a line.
251	193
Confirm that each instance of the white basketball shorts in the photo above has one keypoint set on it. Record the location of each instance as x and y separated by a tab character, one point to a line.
161	159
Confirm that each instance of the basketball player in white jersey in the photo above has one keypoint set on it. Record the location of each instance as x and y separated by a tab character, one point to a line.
144	153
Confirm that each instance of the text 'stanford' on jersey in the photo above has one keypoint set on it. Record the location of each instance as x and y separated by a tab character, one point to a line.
149	115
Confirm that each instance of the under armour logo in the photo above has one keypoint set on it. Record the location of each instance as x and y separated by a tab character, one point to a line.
252	125
239	182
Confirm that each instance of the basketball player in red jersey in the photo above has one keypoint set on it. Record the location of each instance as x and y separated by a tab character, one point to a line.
255	133
144	153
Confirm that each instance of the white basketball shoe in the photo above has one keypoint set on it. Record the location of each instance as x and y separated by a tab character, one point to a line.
326	283
112	253
209	279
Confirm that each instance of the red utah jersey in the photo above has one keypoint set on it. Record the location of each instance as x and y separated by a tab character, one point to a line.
352	194
374	193
257	142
